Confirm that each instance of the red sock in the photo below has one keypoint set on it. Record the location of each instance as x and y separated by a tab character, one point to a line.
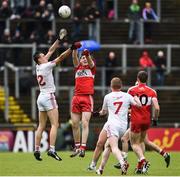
162	152
141	163
83	146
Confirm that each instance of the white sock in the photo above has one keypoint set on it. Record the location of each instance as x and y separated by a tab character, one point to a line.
124	154
93	163
52	148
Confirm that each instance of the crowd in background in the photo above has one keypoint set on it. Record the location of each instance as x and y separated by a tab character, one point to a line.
41	32
46	11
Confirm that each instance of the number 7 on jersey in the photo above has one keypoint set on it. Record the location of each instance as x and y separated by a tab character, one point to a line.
119	104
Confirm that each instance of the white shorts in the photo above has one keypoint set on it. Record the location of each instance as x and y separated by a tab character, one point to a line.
46	101
117	130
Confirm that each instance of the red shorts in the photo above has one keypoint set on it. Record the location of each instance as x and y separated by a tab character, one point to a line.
82	103
139	127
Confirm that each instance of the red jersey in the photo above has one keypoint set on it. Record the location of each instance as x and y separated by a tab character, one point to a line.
84	80
145	94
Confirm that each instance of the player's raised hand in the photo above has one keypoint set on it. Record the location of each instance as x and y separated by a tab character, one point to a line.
62	34
76	45
86	52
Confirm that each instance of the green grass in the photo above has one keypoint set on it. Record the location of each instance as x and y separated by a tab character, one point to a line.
24	164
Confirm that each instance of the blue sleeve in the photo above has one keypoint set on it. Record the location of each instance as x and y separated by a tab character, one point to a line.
154	15
144	14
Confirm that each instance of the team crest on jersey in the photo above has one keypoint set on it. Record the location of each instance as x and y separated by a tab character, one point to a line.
141	88
84	73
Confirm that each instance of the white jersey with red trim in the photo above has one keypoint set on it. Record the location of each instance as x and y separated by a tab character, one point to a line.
45	77
117	105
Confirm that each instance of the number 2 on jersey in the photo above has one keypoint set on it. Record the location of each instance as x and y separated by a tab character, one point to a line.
119	104
40	80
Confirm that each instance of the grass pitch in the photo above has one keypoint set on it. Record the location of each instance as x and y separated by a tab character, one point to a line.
24	164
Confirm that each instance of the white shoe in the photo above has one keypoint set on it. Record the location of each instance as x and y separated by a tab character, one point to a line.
145	167
99	172
91	167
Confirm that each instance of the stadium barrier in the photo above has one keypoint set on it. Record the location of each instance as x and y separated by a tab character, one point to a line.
58	71
23	140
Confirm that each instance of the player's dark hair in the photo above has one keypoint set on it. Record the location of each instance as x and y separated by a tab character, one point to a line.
142	76
36	56
116	83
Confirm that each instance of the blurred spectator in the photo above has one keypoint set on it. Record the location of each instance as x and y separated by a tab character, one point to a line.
18	7
28	12
34	37
18	39
92	14
110	62
44	12
111	14
100	4
50	12
50	37
110	10
5	10
77	20
148	15
134	22
160	64
6	39
145	60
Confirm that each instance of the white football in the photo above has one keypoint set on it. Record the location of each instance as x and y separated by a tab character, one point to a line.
64	11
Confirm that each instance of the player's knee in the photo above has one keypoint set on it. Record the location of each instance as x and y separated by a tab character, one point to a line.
75	125
56	125
100	144
134	145
114	149
124	140
41	128
85	124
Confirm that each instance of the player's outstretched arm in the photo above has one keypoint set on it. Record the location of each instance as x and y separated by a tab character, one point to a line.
75	58
52	49
89	58
66	53
55	45
74	47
